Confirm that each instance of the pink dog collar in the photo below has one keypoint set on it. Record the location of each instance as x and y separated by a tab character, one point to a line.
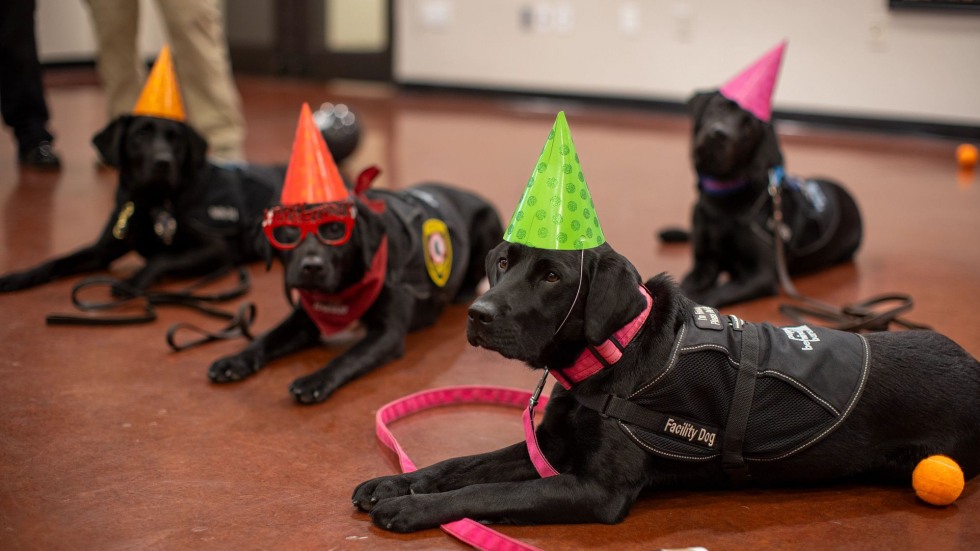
594	359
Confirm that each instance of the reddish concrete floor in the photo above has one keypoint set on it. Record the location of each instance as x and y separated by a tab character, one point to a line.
110	441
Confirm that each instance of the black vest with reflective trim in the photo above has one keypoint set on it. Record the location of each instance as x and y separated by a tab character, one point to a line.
807	382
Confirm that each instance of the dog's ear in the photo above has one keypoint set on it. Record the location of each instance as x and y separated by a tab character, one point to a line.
767	154
614	297
197	149
697	103
108	142
371	229
263	248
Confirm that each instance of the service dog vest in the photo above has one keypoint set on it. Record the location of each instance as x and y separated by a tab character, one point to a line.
744	392
432	237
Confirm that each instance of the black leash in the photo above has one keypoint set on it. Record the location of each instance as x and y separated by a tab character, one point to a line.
871	314
124	294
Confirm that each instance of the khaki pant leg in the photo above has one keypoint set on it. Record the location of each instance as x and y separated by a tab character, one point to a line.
118	63
200	50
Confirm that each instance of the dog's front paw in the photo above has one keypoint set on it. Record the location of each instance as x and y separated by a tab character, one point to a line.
370	492
233	368
407	513
311	389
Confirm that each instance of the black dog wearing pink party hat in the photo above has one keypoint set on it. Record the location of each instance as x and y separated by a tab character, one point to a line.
739	165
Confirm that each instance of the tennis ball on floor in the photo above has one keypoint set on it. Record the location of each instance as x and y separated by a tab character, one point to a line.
938	480
966	155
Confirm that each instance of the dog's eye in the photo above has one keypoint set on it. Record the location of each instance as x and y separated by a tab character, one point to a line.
286	235
502	264
552	277
332	231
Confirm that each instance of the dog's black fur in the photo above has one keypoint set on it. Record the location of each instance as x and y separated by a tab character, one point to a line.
163	170
922	397
401	307
731	233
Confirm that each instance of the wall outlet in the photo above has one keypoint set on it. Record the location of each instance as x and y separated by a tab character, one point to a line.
878	34
683	15
546	17
435	15
629	18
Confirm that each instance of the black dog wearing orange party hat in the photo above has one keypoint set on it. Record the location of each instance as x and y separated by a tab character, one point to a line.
183	215
389	259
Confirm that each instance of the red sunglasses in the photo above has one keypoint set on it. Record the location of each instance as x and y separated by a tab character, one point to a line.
331	223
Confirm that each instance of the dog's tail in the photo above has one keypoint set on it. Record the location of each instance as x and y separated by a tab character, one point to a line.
673	234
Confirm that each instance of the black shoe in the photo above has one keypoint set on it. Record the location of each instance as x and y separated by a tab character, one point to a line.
42	157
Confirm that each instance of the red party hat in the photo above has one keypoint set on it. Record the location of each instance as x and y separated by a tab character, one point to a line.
312	176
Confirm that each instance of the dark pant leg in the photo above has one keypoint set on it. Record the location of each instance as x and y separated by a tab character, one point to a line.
21	93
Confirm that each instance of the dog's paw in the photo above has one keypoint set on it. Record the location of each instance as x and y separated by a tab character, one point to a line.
370	492
311	389
406	513
233	368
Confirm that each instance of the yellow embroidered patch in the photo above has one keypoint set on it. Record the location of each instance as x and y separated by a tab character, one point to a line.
122	222
438	250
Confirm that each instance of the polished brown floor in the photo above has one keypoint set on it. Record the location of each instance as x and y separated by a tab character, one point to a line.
110	441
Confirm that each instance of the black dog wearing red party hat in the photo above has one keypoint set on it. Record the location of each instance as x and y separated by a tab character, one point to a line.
391	260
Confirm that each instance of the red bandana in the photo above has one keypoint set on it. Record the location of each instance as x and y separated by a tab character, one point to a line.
334	313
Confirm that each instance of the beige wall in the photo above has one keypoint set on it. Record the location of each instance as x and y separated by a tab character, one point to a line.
845	57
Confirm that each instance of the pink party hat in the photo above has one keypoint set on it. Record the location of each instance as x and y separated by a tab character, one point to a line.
752	88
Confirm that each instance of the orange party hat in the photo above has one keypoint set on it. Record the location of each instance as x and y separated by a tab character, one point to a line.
312	176
160	96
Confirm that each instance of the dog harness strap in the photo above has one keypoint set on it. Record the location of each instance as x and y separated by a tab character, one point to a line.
624	410
466	530
596	358
732	460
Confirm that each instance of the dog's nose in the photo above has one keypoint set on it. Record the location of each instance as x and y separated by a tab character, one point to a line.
311	265
718	132
484	312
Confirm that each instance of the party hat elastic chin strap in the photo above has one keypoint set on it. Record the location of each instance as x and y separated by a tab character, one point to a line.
581	273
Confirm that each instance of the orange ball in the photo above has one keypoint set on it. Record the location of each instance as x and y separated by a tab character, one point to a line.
938	480
966	155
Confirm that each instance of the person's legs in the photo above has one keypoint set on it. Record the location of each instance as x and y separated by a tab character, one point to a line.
21	91
118	60
200	50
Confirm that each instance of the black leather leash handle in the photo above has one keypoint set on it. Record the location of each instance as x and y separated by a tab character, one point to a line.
238	322
238	326
855	317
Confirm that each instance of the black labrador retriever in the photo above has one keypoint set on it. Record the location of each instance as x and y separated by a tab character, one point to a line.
394	273
732	233
695	400
184	215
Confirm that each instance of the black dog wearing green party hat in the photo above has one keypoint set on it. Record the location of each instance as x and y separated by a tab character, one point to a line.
656	391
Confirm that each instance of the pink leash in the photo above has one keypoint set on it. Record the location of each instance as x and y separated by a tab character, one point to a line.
467	530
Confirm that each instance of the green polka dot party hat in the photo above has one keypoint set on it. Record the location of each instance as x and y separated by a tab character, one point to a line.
556	211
